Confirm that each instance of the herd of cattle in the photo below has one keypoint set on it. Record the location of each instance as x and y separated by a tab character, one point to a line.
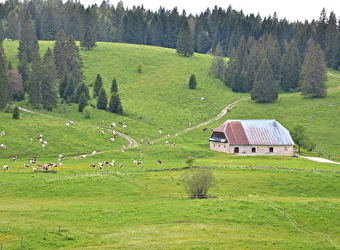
34	165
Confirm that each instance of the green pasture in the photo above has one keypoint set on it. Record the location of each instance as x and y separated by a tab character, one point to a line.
260	202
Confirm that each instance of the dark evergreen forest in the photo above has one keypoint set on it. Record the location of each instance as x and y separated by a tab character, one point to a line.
247	39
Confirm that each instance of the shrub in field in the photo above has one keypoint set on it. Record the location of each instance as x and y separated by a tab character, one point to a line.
198	182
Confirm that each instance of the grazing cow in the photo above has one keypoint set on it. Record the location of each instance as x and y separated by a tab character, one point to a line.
5	167
204	129
124	126
173	144
159	161
94	152
67	124
3	146
112	163
34	169
82	156
62	157
101	132
167	136
31	139
121	165
33	160
26	165
102	122
43	146
111	139
113	125
106	162
61	164
2	133
159	132
189	124
93	165
114	133
14	158
71	122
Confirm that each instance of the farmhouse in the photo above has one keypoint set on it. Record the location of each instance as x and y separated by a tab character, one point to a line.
252	137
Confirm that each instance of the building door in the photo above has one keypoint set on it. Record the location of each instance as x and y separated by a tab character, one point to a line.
271	150
236	150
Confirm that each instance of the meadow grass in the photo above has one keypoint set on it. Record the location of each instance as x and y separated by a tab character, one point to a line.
260	202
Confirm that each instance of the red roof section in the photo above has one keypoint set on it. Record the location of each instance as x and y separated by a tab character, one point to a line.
236	133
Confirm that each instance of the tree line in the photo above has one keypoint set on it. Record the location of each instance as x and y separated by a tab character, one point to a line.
262	51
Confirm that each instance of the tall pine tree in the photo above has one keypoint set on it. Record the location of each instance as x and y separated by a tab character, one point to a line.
313	72
102	99
185	42
5	87
28	42
291	68
34	86
115	105
98	84
49	94
264	87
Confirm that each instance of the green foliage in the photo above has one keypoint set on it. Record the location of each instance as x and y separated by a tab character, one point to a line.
198	182
192	82
264	88
291	67
89	37
185	43
87	112
5	88
16	113
98	84
313	73
102	99
114	86
115	105
299	135
190	161
82	102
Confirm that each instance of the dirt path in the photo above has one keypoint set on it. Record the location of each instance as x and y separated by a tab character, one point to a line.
219	116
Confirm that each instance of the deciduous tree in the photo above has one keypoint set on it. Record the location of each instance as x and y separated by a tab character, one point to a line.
198	182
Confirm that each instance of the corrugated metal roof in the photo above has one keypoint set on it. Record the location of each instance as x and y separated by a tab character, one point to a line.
255	132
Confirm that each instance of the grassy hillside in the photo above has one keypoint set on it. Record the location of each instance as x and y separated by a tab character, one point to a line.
261	202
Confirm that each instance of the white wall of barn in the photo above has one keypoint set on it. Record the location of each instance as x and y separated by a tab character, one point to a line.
251	149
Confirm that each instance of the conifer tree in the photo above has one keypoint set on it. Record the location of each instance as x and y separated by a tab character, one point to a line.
313	72
34	86
49	82
217	66
98	84
16	113
28	43
81	88
115	105
82	102
5	87
185	43
192	82
264	88
102	99
114	86
89	36
291	68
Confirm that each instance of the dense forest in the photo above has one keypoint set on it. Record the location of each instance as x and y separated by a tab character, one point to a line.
251	42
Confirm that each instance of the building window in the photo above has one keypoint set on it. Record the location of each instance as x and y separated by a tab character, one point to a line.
253	150
271	150
236	150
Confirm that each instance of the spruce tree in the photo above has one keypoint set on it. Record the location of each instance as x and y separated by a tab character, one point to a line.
185	43
34	86
313	72
115	105
49	96
192	82
264	87
16	113
98	84
291	68
114	86
217	66
28	42
81	88
82	102
102	99
5	87
89	36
